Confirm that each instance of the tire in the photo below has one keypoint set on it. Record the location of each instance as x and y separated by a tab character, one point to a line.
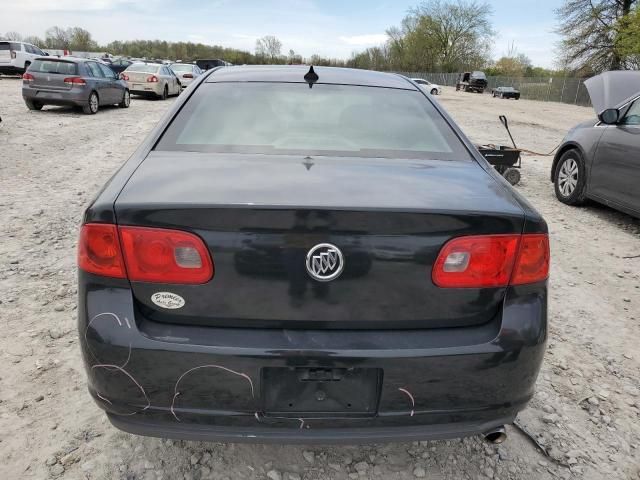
165	93
31	105
93	104
126	100
570	178
434	91
512	175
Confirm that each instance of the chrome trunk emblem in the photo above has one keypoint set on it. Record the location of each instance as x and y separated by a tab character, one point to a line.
325	262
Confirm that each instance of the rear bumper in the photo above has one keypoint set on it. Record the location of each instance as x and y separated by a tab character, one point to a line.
9	69
149	88
205	383
74	97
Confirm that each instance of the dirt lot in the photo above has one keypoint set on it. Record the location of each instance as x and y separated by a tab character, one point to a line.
586	413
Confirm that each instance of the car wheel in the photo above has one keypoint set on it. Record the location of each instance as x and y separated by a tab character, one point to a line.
570	178
126	100
512	175
91	108
165	93
434	91
31	105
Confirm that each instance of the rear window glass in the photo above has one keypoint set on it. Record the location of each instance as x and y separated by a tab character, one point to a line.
143	68
54	66
9	46
291	118
182	68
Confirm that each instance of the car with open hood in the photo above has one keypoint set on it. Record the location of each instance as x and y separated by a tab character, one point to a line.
299	255
599	159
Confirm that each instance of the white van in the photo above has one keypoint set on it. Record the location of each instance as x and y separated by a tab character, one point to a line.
15	57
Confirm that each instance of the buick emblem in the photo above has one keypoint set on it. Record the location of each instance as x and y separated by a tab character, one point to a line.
325	262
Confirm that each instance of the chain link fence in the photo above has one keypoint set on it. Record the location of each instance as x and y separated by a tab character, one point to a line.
554	89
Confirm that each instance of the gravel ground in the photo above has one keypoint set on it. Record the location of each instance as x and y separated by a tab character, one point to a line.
585	415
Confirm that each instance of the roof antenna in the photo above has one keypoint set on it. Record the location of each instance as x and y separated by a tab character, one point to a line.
311	77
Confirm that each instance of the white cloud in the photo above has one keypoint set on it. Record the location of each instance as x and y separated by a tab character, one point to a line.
365	40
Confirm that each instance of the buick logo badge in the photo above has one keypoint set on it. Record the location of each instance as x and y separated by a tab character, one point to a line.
325	262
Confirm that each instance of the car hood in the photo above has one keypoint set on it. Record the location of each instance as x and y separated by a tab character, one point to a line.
613	89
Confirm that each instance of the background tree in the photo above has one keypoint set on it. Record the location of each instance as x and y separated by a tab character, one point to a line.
58	38
269	48
590	34
15	36
628	40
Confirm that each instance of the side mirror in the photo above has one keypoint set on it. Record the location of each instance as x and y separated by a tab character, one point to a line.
610	116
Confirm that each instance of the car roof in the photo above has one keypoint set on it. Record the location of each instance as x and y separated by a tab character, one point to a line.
66	58
296	73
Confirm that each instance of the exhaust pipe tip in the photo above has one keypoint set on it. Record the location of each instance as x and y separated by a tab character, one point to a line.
495	435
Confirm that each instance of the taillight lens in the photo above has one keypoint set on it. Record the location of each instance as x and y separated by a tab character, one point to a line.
124	77
13	54
144	254
532	264
152	79
74	81
485	261
28	78
165	256
99	250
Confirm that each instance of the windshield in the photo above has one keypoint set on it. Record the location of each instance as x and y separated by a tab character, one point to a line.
54	66
143	68
181	67
291	118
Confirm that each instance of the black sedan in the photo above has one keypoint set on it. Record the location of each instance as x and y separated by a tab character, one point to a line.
120	65
506	92
300	176
599	158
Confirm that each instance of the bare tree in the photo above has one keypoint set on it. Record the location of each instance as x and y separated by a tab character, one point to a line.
590	34
15	36
58	38
268	47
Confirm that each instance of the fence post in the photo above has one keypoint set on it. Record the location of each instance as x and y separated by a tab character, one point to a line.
564	82
575	101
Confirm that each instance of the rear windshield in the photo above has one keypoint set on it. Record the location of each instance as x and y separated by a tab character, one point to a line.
143	68
291	118
182	68
9	46
54	66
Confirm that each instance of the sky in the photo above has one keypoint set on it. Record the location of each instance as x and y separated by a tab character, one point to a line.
330	28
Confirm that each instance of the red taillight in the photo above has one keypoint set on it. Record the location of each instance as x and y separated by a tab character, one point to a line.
165	256
27	77
187	75
99	250
144	254
152	79
74	81
124	77
492	261
532	264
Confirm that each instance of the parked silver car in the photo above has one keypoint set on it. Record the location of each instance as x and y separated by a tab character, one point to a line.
600	159
186	72
74	82
151	79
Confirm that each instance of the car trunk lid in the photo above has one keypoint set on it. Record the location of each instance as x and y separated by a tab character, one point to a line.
259	216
